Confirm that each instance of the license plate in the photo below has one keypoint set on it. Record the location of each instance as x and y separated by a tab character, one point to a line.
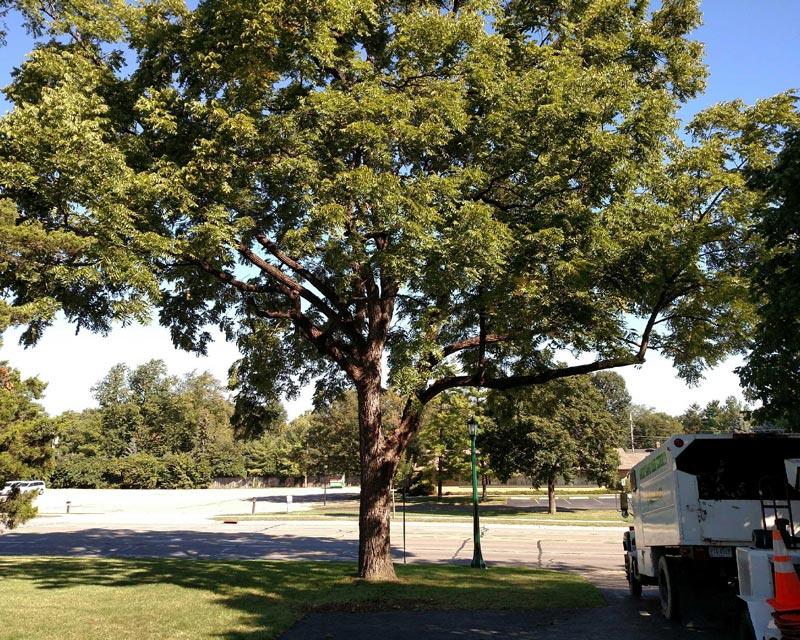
720	552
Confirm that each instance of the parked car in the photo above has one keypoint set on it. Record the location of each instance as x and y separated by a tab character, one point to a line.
25	486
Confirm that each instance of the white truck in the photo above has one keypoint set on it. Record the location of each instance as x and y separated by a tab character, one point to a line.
704	506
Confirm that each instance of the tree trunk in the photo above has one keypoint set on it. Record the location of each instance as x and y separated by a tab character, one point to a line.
551	496
377	470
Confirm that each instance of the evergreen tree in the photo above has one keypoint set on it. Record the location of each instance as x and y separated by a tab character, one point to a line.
26	441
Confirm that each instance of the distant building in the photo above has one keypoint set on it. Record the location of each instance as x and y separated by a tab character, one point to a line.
627	459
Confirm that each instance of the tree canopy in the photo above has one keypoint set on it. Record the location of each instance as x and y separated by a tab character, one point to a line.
461	189
716	417
772	372
652	428
552	431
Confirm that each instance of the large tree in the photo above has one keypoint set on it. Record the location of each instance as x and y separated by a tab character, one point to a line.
772	372
652	428
147	410
552	431
614	391
460	189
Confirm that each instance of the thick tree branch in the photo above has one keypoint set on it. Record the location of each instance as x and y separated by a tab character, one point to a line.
323	341
226	277
511	382
289	283
320	285
409	423
471	343
343	318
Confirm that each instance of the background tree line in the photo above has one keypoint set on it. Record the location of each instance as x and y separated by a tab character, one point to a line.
151	429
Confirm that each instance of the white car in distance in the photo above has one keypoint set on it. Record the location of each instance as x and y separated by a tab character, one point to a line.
25	486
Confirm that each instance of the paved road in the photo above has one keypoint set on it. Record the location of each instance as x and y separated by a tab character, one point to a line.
161	505
176	524
621	620
596	551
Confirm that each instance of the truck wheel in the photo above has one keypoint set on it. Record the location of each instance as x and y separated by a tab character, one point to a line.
634	581
668	589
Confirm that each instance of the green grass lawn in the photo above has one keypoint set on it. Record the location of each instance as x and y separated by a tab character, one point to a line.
147	599
451	508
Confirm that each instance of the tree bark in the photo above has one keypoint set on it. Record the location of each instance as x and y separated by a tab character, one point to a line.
378	466
551	496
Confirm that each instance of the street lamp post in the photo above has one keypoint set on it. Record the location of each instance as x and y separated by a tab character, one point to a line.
477	558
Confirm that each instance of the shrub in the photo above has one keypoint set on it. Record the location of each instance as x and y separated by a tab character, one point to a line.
79	472
182	471
139	471
421	487
17	508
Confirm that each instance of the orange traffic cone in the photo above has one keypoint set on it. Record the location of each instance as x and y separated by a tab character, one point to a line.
787	584
787	591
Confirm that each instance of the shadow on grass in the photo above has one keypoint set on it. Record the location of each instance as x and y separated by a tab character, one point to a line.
223	544
270	596
267	596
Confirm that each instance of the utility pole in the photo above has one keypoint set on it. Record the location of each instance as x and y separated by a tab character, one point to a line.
630	420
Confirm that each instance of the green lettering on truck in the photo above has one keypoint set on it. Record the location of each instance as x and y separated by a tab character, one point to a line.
654	465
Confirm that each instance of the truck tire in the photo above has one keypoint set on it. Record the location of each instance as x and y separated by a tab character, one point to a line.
668	588
632	575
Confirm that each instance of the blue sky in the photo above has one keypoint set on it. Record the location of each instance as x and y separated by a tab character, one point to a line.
752	50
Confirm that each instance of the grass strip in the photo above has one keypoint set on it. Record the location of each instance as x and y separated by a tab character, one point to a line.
58	598
449	510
